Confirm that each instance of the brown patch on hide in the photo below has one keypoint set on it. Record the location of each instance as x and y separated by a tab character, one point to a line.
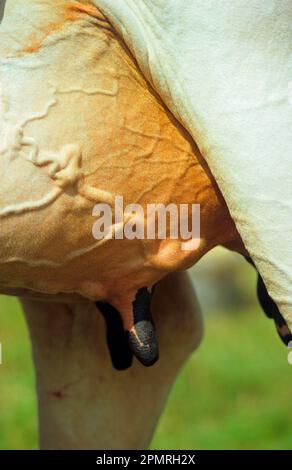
35	43
33	46
74	9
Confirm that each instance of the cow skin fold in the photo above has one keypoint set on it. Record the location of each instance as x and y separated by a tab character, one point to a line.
225	69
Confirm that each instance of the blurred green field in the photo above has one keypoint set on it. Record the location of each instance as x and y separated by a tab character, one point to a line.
235	392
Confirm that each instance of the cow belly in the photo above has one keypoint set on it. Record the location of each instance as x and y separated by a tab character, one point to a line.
78	127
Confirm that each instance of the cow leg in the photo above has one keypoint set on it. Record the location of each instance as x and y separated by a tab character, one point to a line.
84	403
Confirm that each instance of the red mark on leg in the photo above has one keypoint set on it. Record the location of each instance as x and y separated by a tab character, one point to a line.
59	394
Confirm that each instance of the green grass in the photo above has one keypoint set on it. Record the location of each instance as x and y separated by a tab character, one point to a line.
235	392
18	421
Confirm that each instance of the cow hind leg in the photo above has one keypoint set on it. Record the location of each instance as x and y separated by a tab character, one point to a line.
84	402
